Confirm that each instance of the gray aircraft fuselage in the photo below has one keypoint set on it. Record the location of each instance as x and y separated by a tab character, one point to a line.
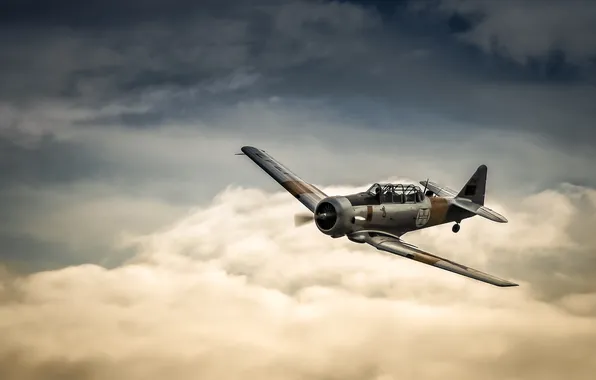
395	210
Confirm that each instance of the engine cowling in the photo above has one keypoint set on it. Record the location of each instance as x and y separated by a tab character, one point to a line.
333	216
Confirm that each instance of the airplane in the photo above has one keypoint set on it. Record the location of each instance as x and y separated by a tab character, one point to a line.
380	215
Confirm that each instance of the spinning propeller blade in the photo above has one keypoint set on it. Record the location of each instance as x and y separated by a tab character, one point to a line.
301	219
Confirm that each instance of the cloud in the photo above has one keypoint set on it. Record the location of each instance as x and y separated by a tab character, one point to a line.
108	134
194	61
523	30
26	159
178	48
102	180
234	289
98	120
66	224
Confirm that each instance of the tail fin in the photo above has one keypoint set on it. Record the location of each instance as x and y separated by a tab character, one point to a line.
475	188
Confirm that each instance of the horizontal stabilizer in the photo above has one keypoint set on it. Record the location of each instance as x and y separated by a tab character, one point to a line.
479	210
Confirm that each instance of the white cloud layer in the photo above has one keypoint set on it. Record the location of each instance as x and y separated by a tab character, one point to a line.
234	290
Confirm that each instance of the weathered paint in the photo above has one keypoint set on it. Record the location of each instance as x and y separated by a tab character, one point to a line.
298	187
438	211
306	193
362	199
426	259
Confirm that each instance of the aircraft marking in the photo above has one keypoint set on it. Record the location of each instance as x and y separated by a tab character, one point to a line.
369	213
422	217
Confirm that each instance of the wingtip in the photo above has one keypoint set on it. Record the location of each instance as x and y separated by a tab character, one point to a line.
500	219
491	215
507	284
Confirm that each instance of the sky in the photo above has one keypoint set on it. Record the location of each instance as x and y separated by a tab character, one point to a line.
134	244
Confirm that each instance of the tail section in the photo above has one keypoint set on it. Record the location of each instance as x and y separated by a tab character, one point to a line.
475	188
471	197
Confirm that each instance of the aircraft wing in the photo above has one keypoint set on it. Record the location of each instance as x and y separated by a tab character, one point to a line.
441	191
305	192
398	247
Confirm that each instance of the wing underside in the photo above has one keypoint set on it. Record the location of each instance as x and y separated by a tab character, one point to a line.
305	192
398	247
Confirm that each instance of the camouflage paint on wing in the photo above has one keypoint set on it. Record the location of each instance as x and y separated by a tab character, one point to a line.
306	193
398	247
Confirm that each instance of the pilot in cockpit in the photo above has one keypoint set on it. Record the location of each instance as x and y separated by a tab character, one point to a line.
375	191
378	193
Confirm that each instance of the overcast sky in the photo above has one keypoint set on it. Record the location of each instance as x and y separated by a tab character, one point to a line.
121	195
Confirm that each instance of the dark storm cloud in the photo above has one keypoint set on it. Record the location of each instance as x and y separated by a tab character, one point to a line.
25	254
48	160
132	119
525	30
104	13
302	50
340	56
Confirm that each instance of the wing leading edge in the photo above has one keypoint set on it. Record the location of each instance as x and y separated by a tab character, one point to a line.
305	192
398	247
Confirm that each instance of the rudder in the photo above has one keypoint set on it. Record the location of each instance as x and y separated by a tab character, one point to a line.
475	188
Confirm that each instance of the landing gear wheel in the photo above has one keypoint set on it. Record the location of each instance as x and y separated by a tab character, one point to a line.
455	228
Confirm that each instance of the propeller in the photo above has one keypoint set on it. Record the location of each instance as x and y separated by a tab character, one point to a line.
302	219
427	193
426	184
326	215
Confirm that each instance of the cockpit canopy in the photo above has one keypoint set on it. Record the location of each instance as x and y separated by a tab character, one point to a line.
397	193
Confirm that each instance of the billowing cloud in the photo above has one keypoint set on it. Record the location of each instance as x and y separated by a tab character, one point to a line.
116	118
234	289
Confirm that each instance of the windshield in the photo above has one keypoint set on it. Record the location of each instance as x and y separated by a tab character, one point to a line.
374	189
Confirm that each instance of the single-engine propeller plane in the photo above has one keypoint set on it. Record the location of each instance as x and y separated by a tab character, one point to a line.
385	212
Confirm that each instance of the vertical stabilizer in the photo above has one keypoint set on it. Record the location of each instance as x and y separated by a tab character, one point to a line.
475	188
